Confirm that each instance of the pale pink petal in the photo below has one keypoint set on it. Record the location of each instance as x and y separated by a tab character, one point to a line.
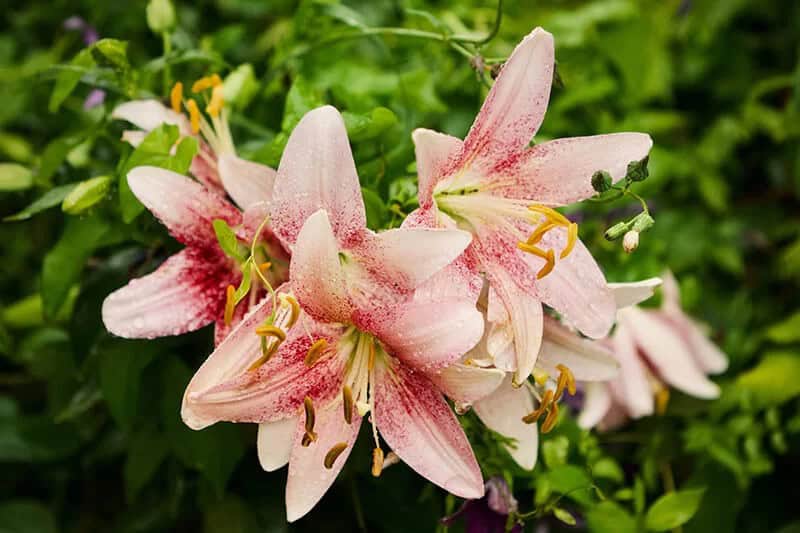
502	411
150	114
436	155
317	172
205	169
184	206
516	104
134	137
560	172
465	384
430	336
185	293
710	358
246	182
418	425
668	353
274	443
671	292
596	404
626	294
316	271
587	360
308	479
632	388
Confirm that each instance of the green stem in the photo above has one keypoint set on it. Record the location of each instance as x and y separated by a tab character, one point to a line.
166	39
491	35
641	200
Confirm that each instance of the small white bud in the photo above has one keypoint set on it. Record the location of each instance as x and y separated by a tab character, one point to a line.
630	241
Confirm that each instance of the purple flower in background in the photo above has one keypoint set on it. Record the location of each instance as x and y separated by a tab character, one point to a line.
95	98
90	36
488	514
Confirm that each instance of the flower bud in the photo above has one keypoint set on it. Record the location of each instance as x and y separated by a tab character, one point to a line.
630	241
86	194
601	181
637	170
642	222
160	16
617	230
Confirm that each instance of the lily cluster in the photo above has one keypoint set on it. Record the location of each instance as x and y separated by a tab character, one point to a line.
485	296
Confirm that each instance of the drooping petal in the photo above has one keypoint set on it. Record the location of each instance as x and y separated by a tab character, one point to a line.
246	182
465	384
274	443
559	172
418	425
671	292
308	479
596	404
710	358
587	360
185	293
632	387
626	294
319	280
317	172
150	114
515	107
668	353
502	411
436	155
184	206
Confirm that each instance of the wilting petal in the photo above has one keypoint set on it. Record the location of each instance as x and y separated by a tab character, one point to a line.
577	289
274	443
429	336
502	411
317	172
596	404
560	172
436	153
632	387
184	206
418	425
185	293
515	107
466	384
246	182
668	353
587	360
626	294
150	114
316	271
308	479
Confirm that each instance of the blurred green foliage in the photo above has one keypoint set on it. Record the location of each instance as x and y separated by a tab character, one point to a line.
90	434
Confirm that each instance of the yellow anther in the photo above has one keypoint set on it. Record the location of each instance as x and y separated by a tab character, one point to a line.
539	232
194	115
377	461
534	415
572	237
214	107
268	330
206	83
295	307
550	214
266	354
371	360
333	454
548	266
230	304
662	399
316	351
534	250
551	419
565	381
347	401
310	436
176	97
263	267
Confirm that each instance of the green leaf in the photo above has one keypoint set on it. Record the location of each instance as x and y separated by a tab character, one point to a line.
673	509
301	98
775	380
146	452
86	194
240	86
15	177
365	127
121	367
53	157
231	515
609	517
243	288
227	240
114	51
22	516
555	450
68	79
786	331
51	198
376	210
564	516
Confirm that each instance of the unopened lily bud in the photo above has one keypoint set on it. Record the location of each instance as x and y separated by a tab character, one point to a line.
642	222
617	230
601	181
160	16
630	241
637	170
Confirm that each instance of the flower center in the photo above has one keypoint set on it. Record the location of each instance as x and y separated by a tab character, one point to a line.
215	130
548	398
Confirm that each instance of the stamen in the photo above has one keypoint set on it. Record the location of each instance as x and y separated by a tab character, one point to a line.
176	96
540	377
551	419
316	351
539	232
230	304
347	401
533	250
310	436
534	415
377	461
263	267
214	107
206	83
266	354
371	360
268	330
548	266
568	379
662	399
295	309
362	408
194	115
334	454
550	213
572	237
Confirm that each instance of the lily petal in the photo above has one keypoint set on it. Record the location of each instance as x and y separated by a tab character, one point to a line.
436	153
596	404
632	387
308	479
150	114
706	353
627	294
502	411
418	425
184	206
587	360
317	171
466	384
246	182
274	443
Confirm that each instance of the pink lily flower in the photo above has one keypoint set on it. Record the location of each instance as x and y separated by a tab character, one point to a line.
497	187
656	349
359	330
